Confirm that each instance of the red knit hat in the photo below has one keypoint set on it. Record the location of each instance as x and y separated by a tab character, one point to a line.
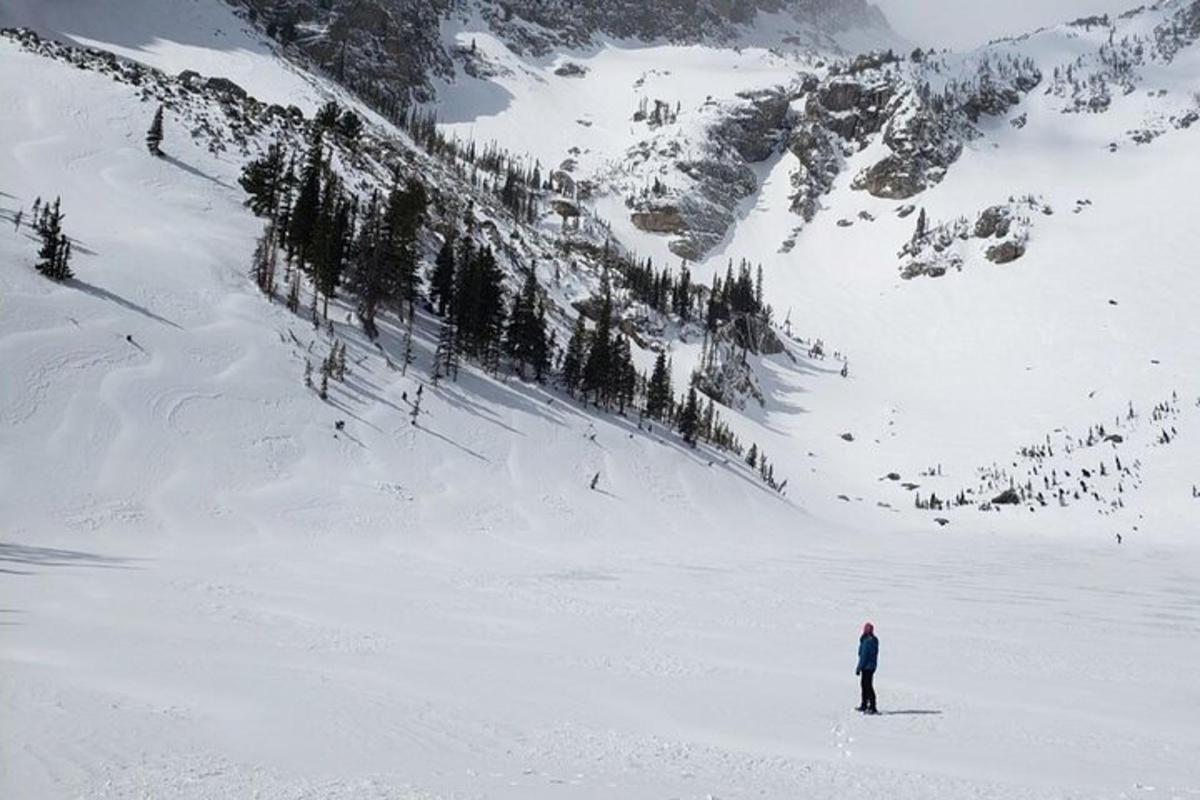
868	629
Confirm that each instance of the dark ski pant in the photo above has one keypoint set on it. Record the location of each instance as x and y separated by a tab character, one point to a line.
868	690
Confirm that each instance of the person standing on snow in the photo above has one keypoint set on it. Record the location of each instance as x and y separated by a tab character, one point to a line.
868	657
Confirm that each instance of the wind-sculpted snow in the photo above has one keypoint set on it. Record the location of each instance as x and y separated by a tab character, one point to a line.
215	584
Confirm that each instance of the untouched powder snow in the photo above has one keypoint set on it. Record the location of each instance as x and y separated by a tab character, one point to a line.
208	591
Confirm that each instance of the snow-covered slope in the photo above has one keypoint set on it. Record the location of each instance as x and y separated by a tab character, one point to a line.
209	590
1085	323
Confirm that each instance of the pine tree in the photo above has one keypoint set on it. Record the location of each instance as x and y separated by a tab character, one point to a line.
54	256
445	359
154	136
752	457
330	242
350	126
598	369
305	212
525	338
405	213
441	282
689	418
658	393
265	260
625	375
369	278
573	361
327	115
922	223
262	179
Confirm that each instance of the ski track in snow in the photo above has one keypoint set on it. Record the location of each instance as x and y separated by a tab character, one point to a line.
206	591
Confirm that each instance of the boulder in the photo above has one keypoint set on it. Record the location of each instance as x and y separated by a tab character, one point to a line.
1005	252
994	221
1008	497
225	88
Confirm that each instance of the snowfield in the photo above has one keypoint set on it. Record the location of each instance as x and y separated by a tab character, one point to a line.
207	590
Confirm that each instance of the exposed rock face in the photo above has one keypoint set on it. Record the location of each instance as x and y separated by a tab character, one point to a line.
389	49
923	145
715	174
661	219
728	378
384	49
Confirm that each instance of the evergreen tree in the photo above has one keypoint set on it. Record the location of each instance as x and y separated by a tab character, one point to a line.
54	256
689	418
445	359
350	126
262	179
441	282
265	260
625	375
369	277
525	339
658	393
305	212
573	361
327	115
154	136
405	213
598	370
479	304
332	244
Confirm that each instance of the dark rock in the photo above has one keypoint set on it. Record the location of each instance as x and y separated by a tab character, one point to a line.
994	221
1005	252
570	69
666	219
1008	497
226	87
849	437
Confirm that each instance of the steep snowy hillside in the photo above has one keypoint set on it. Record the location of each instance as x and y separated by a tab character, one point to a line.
216	582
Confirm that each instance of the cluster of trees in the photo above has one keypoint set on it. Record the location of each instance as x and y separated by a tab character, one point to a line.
466	288
660	290
735	295
372	248
329	238
517	183
54	256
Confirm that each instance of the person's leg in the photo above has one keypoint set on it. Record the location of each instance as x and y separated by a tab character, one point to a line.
862	683
869	689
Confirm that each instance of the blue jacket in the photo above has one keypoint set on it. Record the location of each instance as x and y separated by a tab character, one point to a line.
868	653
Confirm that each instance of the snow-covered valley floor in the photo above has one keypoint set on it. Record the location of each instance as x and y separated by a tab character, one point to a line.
640	666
